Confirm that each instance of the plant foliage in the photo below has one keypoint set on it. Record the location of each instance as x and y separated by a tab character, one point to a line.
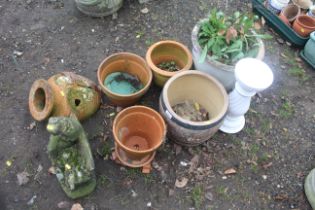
228	39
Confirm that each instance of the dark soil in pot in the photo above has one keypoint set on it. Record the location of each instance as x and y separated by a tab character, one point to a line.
192	111
170	66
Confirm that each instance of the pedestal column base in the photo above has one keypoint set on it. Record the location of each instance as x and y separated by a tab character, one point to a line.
233	124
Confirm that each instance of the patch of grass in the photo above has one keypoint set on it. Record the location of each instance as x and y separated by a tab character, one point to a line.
139	34
249	131
133	172
254	168
222	192
103	180
197	196
148	179
105	150
298	72
286	110
263	158
149	42
254	148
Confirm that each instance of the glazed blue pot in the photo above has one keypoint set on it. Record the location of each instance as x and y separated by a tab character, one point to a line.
309	49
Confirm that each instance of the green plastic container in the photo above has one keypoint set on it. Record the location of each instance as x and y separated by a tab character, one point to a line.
280	27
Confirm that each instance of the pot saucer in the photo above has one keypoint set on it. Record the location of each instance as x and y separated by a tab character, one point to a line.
120	156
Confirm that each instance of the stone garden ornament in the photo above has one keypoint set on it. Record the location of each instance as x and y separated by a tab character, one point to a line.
71	156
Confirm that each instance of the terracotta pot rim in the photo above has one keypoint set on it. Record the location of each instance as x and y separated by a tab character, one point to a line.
214	120
136	151
289	6
161	71
43	114
298	19
127	54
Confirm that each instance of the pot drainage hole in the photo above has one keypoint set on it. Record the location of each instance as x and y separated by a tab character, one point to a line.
191	111
136	141
123	83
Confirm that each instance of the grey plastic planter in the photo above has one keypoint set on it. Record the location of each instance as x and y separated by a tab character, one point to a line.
222	72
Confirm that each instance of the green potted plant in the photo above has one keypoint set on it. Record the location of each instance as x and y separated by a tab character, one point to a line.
220	41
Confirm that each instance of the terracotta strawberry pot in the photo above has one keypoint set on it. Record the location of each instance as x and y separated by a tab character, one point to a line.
304	25
138	132
167	51
289	13
126	63
63	94
204	90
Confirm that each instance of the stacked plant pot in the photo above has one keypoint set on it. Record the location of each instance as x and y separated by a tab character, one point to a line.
298	14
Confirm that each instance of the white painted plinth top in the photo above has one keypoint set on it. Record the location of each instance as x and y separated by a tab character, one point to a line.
253	74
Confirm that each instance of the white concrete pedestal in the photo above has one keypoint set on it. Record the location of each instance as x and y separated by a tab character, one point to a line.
252	76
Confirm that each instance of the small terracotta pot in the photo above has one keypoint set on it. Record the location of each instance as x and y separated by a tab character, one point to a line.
289	13
202	89
138	132
63	94
167	51
304	25
131	64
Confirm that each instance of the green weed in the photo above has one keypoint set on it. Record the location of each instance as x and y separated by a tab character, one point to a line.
197	196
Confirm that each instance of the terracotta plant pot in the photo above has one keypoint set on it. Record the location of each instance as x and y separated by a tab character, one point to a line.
166	51
63	94
222	72
138	132
202	89
304	25
99	8
129	63
289	13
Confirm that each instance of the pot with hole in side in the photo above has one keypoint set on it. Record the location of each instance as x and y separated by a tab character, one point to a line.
63	94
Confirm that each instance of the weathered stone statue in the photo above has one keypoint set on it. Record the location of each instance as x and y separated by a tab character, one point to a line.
98	8
70	154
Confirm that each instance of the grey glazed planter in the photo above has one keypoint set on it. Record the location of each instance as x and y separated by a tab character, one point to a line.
203	89
222	72
99	8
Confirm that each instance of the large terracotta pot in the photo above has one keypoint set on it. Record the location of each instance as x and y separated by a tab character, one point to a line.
304	25
222	72
202	89
165	51
138	132
63	94
131	64
99	8
289	13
